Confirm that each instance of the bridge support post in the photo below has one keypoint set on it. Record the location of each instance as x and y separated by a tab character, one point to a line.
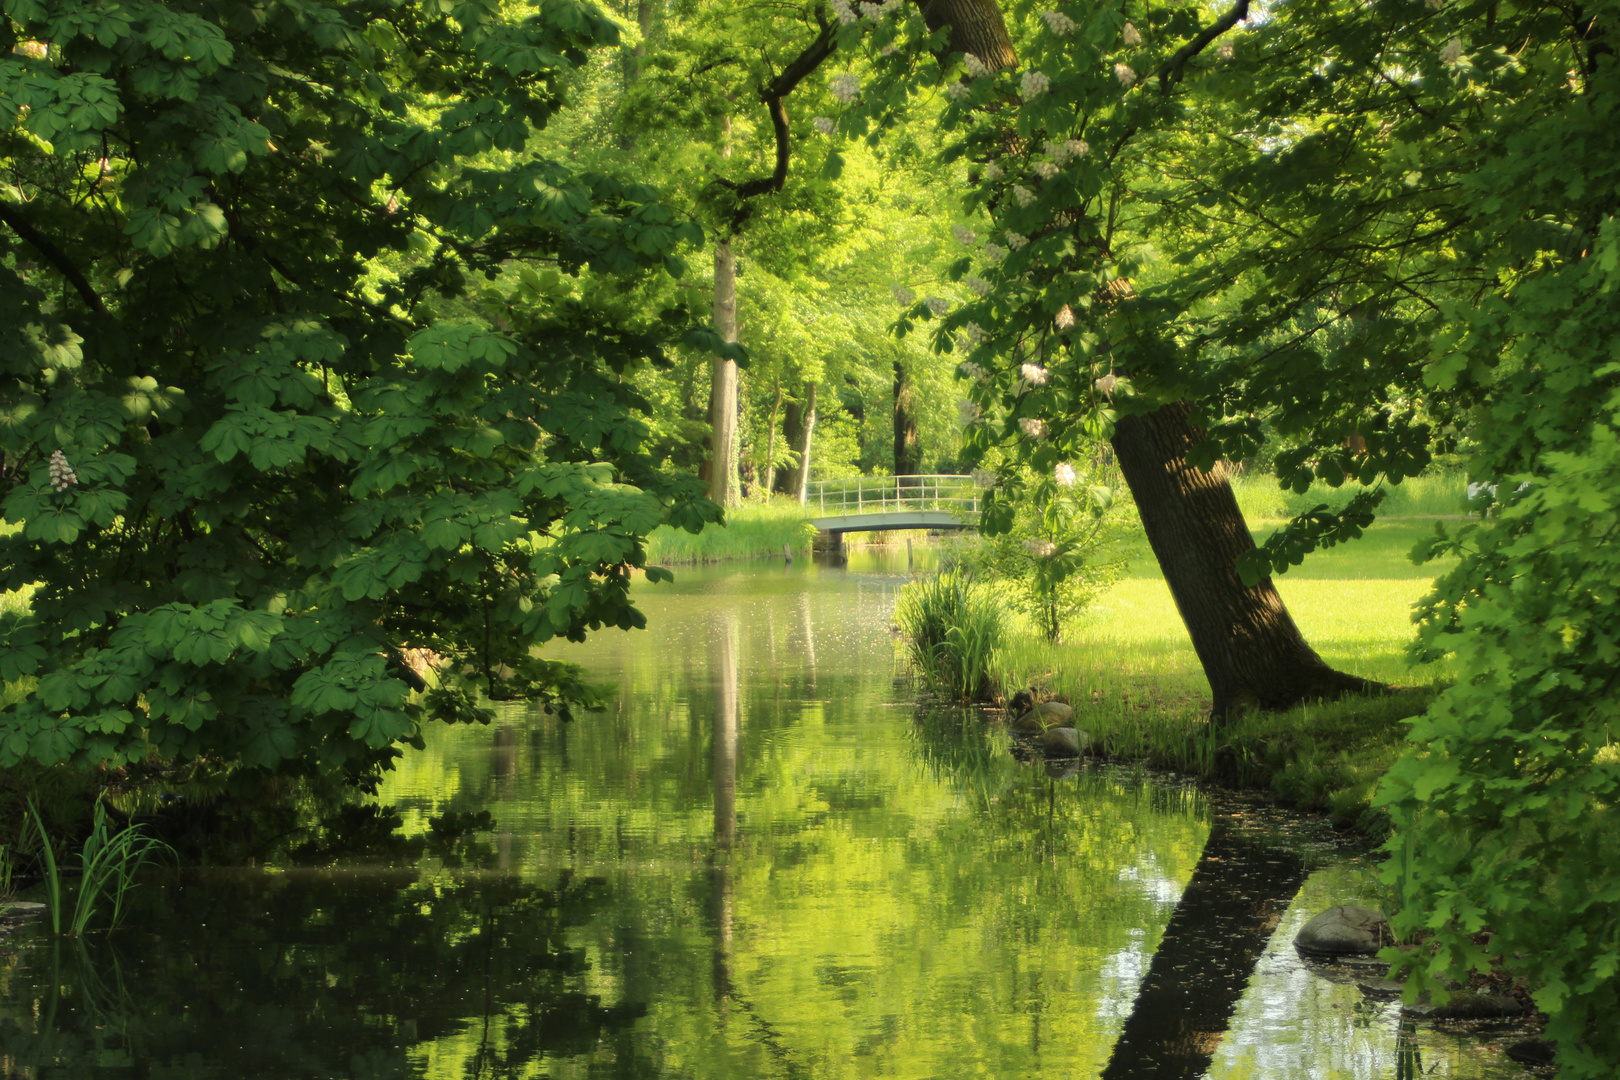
830	541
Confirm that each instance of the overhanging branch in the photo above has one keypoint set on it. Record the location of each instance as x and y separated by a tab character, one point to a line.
12	216
773	95
1170	73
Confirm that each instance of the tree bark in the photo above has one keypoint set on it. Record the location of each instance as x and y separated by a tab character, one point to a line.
725	486
1252	653
768	479
801	477
976	27
907	452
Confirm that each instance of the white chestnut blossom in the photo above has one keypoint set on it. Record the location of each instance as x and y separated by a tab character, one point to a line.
975	66
1046	170
845	11
1016	240
1064	318
979	286
1106	383
1032	84
892	7
1064	474
992	172
1041	549
824	124
964	235
1133	36
1125	75
1077	147
957	91
975	334
967	411
1436	5
872	11
1225	51
1452	52
62	474
846	87
1057	22
972	371
984	478
902	295
34	50
994	253
1035	429
1023	195
938	304
1034	374
887	50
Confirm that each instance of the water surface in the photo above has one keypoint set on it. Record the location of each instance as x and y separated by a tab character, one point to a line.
764	859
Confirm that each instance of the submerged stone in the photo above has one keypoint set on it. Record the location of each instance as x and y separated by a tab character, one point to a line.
1469	1006
1064	742
1538	1052
1344	930
1028	724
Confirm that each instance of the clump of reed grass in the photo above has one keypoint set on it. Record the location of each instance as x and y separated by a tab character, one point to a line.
953	626
754	530
108	864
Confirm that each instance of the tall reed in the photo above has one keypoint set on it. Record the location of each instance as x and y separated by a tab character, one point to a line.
953	626
108	862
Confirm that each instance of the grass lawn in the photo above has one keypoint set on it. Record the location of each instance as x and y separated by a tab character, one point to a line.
1129	670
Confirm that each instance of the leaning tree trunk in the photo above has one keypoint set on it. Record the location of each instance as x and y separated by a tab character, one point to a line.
1253	654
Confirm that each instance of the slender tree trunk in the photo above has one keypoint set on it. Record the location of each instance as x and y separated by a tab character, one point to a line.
793	435
768	478
907	452
801	483
1252	653
724	485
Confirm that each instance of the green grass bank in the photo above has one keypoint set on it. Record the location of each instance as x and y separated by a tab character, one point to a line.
1129	670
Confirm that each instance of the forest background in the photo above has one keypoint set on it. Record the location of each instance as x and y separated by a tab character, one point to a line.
344	340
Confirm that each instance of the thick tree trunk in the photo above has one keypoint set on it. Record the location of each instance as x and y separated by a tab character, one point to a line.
1252	653
907	452
801	477
725	487
976	27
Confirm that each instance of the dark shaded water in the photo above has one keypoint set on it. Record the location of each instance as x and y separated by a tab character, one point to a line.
764	861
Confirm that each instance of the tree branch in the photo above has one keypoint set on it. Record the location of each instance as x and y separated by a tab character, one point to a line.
41	243
772	95
1170	74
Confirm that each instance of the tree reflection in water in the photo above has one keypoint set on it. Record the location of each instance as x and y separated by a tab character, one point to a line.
301	987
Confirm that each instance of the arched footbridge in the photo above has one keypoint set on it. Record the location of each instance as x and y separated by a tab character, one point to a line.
873	503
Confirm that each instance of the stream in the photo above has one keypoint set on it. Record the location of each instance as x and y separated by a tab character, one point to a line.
764	859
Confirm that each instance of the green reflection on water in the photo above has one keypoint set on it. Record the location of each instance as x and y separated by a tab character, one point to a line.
764	860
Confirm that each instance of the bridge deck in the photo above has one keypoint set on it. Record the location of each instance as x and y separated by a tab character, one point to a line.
883	503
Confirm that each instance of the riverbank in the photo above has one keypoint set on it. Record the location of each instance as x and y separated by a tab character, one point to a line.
753	530
1136	686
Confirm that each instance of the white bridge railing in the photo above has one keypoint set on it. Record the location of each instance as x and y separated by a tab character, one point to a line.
957	495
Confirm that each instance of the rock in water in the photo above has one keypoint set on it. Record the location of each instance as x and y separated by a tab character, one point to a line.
1345	930
1028	724
1468	1006
1061	742
1055	713
1533	1052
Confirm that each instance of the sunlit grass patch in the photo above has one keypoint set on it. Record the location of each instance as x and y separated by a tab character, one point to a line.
753	530
1129	669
